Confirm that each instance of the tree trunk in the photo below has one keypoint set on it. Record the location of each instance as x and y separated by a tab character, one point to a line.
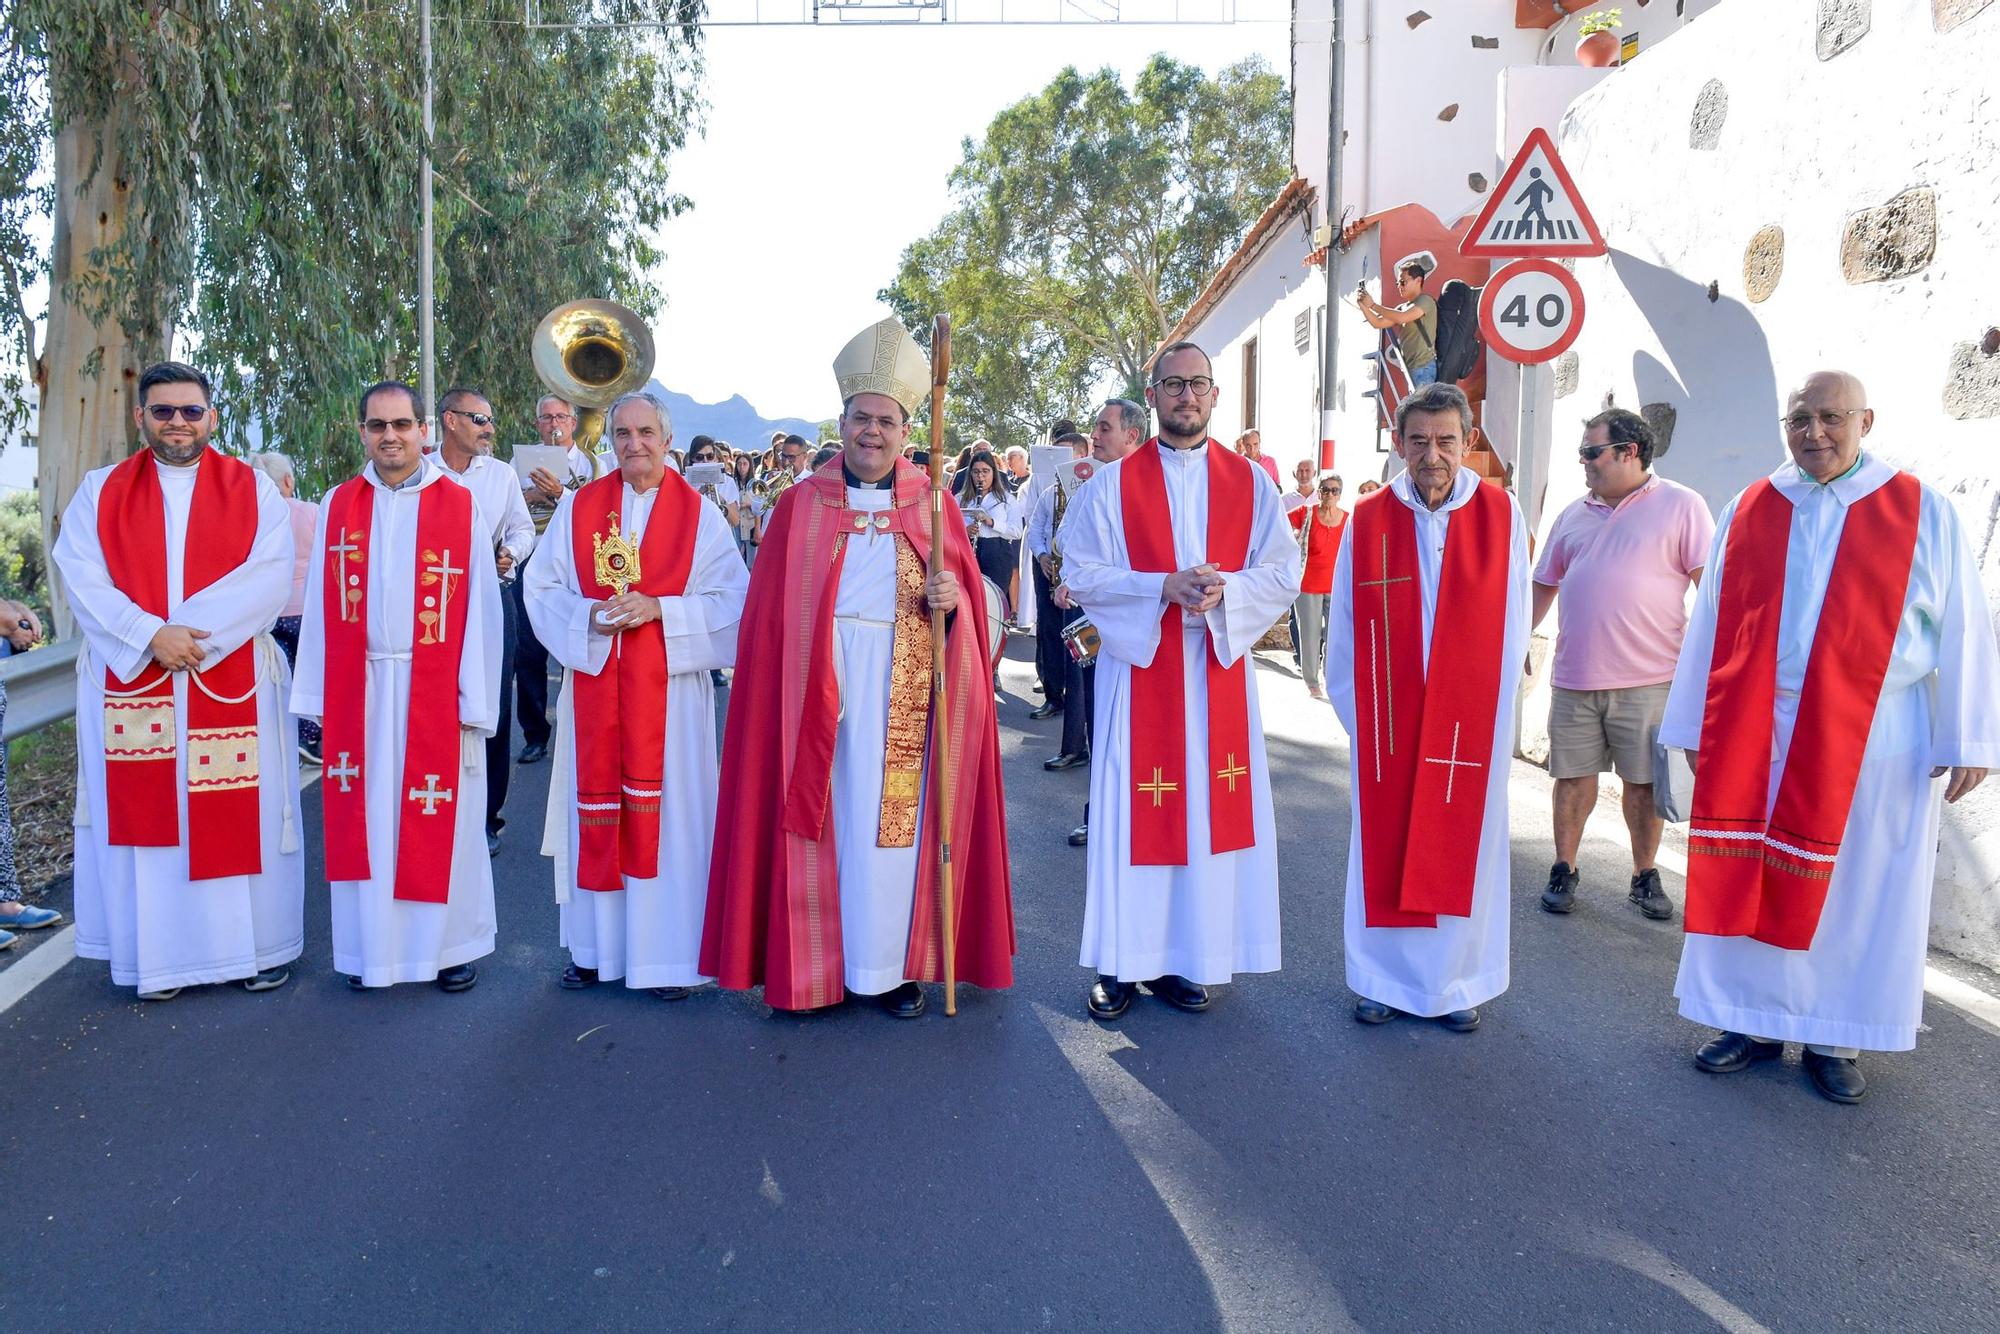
90	365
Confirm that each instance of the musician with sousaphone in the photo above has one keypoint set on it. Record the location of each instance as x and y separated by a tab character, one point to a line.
866	826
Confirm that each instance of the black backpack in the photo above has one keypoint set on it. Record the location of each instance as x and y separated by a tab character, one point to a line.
1458	344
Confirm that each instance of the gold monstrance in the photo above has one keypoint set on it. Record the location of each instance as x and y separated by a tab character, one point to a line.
617	559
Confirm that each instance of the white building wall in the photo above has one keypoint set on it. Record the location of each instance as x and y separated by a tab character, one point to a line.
1804	145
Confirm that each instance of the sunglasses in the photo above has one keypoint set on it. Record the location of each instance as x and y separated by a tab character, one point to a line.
377	425
1589	453
166	412
1329	490
476	418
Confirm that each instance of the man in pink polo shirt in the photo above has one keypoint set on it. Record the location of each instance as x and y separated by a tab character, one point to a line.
1623	556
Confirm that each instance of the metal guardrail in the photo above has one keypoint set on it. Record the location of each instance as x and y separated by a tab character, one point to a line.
41	687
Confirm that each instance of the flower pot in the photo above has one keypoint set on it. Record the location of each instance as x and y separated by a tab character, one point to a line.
1598	51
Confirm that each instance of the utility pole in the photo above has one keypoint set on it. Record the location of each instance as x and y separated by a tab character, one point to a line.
1330	338
426	341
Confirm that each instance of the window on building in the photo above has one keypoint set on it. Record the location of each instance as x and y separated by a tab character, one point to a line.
1250	384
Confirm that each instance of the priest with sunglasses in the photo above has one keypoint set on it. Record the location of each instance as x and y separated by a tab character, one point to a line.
177	562
1838	683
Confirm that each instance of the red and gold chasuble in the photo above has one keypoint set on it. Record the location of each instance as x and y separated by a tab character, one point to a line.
1159	691
1767	877
429	786
140	775
1424	739
621	712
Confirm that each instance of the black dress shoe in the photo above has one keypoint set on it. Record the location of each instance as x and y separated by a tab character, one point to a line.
905	1002
1180	993
1373	1012
533	753
460	978
354	983
1108	998
672	993
1067	760
1079	836
1048	710
1726	1053
1460	1021
1836	1077
1560	896
576	979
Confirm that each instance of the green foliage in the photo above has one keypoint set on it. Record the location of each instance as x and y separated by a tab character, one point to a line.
273	155
1084	224
1600	20
23	571
24	130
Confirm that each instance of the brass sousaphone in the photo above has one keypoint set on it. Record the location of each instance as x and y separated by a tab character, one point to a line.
589	352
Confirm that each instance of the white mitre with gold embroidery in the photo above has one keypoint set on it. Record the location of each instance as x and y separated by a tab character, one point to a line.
884	359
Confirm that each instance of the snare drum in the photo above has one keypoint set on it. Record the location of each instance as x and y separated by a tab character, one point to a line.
1081	639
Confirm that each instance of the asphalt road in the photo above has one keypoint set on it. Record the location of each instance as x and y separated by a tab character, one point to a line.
520	1156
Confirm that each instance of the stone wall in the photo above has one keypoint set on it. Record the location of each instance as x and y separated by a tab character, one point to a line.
1791	184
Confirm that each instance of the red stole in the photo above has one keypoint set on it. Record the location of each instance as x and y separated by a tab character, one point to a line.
429	785
1767	878
1159	714
621	713
1424	744
140	775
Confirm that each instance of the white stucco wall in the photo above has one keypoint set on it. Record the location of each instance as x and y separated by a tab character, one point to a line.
1805	144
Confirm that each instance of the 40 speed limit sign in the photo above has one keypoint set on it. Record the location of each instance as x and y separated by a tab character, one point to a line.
1531	311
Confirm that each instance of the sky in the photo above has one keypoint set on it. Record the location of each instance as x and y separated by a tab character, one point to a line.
828	150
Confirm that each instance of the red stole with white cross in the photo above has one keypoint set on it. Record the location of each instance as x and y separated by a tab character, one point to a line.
428	791
140	775
621	712
1159	747
1423	743
1762	876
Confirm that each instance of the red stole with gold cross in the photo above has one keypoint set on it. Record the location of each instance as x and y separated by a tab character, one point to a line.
1423	741
428	791
1158	736
139	742
621	712
1763	875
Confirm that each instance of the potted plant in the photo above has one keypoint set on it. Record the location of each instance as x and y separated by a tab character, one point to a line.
1597	38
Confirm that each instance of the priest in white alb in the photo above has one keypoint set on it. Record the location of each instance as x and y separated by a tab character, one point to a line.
399	659
1427	634
636	588
176	562
1180	555
1839	676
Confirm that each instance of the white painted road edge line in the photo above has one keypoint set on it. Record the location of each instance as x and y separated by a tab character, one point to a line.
41	964
1981	1006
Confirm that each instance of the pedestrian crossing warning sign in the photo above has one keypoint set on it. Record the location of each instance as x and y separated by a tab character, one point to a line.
1534	210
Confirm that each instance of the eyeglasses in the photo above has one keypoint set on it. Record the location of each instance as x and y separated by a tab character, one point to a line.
1329	490
378	425
1829	421
1175	385
187	412
556	417
1589	453
476	418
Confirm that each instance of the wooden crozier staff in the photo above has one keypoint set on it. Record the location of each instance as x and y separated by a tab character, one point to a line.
940	715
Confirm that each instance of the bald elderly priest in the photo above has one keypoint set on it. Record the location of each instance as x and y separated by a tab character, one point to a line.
399	659
824	873
1838	677
1180	555
1426	636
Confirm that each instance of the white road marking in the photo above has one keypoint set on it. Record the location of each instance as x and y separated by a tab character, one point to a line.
43	963
1261	1280
1635	1255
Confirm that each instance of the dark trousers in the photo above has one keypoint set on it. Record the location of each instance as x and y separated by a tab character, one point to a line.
500	747
531	673
1051	658
1080	686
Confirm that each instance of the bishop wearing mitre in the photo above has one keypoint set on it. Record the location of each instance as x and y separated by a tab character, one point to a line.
399	659
1179	554
824	877
636	589
1426	637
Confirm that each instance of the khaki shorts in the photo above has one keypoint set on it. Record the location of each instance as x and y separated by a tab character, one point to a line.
1594	730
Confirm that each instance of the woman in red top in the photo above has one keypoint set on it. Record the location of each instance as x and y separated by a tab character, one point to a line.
1321	540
